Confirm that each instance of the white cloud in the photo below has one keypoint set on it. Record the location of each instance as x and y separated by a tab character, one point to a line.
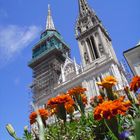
13	39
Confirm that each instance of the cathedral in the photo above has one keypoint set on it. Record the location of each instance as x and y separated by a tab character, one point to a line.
55	72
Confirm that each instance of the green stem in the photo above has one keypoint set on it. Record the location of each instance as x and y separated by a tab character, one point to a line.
115	138
80	104
110	94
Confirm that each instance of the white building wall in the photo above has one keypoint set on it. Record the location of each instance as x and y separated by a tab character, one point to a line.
133	58
88	79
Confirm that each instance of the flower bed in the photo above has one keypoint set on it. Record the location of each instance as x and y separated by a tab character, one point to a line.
113	116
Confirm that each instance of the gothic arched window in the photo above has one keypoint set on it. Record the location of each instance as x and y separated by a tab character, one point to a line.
90	48
94	47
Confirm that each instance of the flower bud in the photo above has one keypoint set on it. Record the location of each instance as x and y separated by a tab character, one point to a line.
11	130
26	128
129	116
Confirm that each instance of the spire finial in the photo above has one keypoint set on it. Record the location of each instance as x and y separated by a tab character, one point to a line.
83	6
49	23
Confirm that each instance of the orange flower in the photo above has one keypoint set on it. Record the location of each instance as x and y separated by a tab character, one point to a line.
60	99
52	111
84	99
69	108
108	82
78	94
43	114
64	99
109	109
135	83
33	117
100	98
76	90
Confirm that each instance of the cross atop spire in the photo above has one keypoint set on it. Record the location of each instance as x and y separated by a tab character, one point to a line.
49	23
83	7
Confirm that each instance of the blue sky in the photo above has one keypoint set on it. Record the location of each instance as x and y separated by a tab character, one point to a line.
21	22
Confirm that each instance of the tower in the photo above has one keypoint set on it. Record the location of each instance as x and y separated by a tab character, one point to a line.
94	41
47	57
97	53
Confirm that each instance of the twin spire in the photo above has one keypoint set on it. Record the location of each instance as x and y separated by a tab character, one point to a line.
83	9
49	23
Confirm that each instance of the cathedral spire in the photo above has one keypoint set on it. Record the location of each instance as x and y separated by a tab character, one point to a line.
49	23
93	40
83	7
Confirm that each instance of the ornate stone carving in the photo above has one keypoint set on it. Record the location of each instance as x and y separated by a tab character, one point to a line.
86	57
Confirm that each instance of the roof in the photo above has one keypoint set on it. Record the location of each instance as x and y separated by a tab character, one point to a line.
138	45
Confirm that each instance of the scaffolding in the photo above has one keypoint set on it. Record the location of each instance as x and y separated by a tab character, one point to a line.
45	77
